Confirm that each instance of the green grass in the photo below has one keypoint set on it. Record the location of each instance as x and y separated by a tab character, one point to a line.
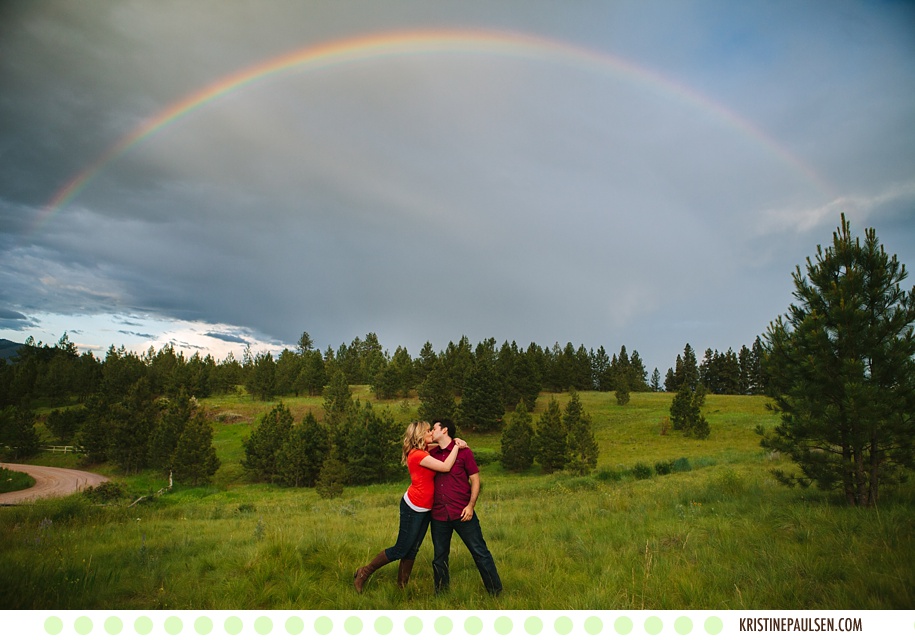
14	480
719	533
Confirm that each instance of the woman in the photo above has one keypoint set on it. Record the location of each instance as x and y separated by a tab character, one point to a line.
415	506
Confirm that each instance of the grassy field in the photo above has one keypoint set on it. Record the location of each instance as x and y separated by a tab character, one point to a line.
14	481
717	533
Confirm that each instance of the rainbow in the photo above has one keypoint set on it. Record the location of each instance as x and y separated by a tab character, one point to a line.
413	43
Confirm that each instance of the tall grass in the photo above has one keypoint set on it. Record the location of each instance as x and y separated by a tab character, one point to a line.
716	532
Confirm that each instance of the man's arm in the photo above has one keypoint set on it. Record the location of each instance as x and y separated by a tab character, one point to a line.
467	513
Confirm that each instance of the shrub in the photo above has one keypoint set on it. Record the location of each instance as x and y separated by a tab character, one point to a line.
106	492
641	471
609	475
663	468
680	464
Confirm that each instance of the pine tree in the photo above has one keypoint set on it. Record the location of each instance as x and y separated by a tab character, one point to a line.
436	395
481	405
165	435
518	440
551	446
131	423
332	477
312	375
842	370
17	431
301	457
583	447
194	461
261	377
369	445
338	400
266	439
686	413
656	380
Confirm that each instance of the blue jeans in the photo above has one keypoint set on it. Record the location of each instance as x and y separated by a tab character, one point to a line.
472	535
413	527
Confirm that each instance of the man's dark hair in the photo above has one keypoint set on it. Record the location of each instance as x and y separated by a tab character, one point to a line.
447	424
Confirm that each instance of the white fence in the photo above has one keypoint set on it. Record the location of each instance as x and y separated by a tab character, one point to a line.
61	449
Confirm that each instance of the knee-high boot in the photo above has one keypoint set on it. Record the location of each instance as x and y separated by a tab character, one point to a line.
362	573
404	571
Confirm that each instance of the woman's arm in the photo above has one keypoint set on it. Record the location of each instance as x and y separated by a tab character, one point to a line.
438	465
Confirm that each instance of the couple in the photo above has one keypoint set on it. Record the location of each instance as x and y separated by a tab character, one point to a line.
444	486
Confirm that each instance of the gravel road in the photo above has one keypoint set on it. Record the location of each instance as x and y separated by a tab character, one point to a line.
49	481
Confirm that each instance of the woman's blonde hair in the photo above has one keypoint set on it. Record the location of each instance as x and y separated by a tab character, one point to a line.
414	438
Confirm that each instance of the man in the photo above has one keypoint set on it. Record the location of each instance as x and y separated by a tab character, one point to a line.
456	494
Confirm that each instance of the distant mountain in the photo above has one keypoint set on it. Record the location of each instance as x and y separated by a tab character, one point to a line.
8	348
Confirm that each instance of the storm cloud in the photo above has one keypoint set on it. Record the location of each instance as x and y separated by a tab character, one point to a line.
653	187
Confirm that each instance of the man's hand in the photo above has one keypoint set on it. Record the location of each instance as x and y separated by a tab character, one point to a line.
467	513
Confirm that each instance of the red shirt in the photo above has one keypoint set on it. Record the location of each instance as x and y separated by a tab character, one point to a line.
421	480
452	489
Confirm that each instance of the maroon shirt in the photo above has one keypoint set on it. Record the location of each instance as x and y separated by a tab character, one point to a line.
452	489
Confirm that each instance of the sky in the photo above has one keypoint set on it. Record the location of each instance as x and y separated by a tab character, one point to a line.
223	174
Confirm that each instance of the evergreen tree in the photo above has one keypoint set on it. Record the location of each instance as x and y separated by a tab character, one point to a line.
600	367
655	380
371	446
372	358
18	432
338	400
424	363
583	448
670	380
261	377
312	375
435	395
169	426
266	439
194	461
622	392
457	362
526	377
301	457
481	406
305	344
687	371
842	368
64	424
332	477
131	423
637	373
551	446
518	440
229	374
402	365
686	413
94	435
288	367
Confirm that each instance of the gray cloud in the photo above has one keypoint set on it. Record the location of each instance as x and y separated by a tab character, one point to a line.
429	196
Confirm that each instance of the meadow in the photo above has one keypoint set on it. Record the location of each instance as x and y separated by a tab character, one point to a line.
714	530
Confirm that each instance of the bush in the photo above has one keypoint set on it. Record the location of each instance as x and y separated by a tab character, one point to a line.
105	492
663	468
641	471
609	475
486	456
679	465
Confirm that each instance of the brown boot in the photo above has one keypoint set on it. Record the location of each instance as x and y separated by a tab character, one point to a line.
362	573
404	571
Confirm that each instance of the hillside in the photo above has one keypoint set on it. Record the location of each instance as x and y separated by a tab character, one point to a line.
8	348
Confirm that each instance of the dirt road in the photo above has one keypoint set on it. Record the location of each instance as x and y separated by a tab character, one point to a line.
49	481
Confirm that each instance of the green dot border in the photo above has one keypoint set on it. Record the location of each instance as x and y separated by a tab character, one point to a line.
403	624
